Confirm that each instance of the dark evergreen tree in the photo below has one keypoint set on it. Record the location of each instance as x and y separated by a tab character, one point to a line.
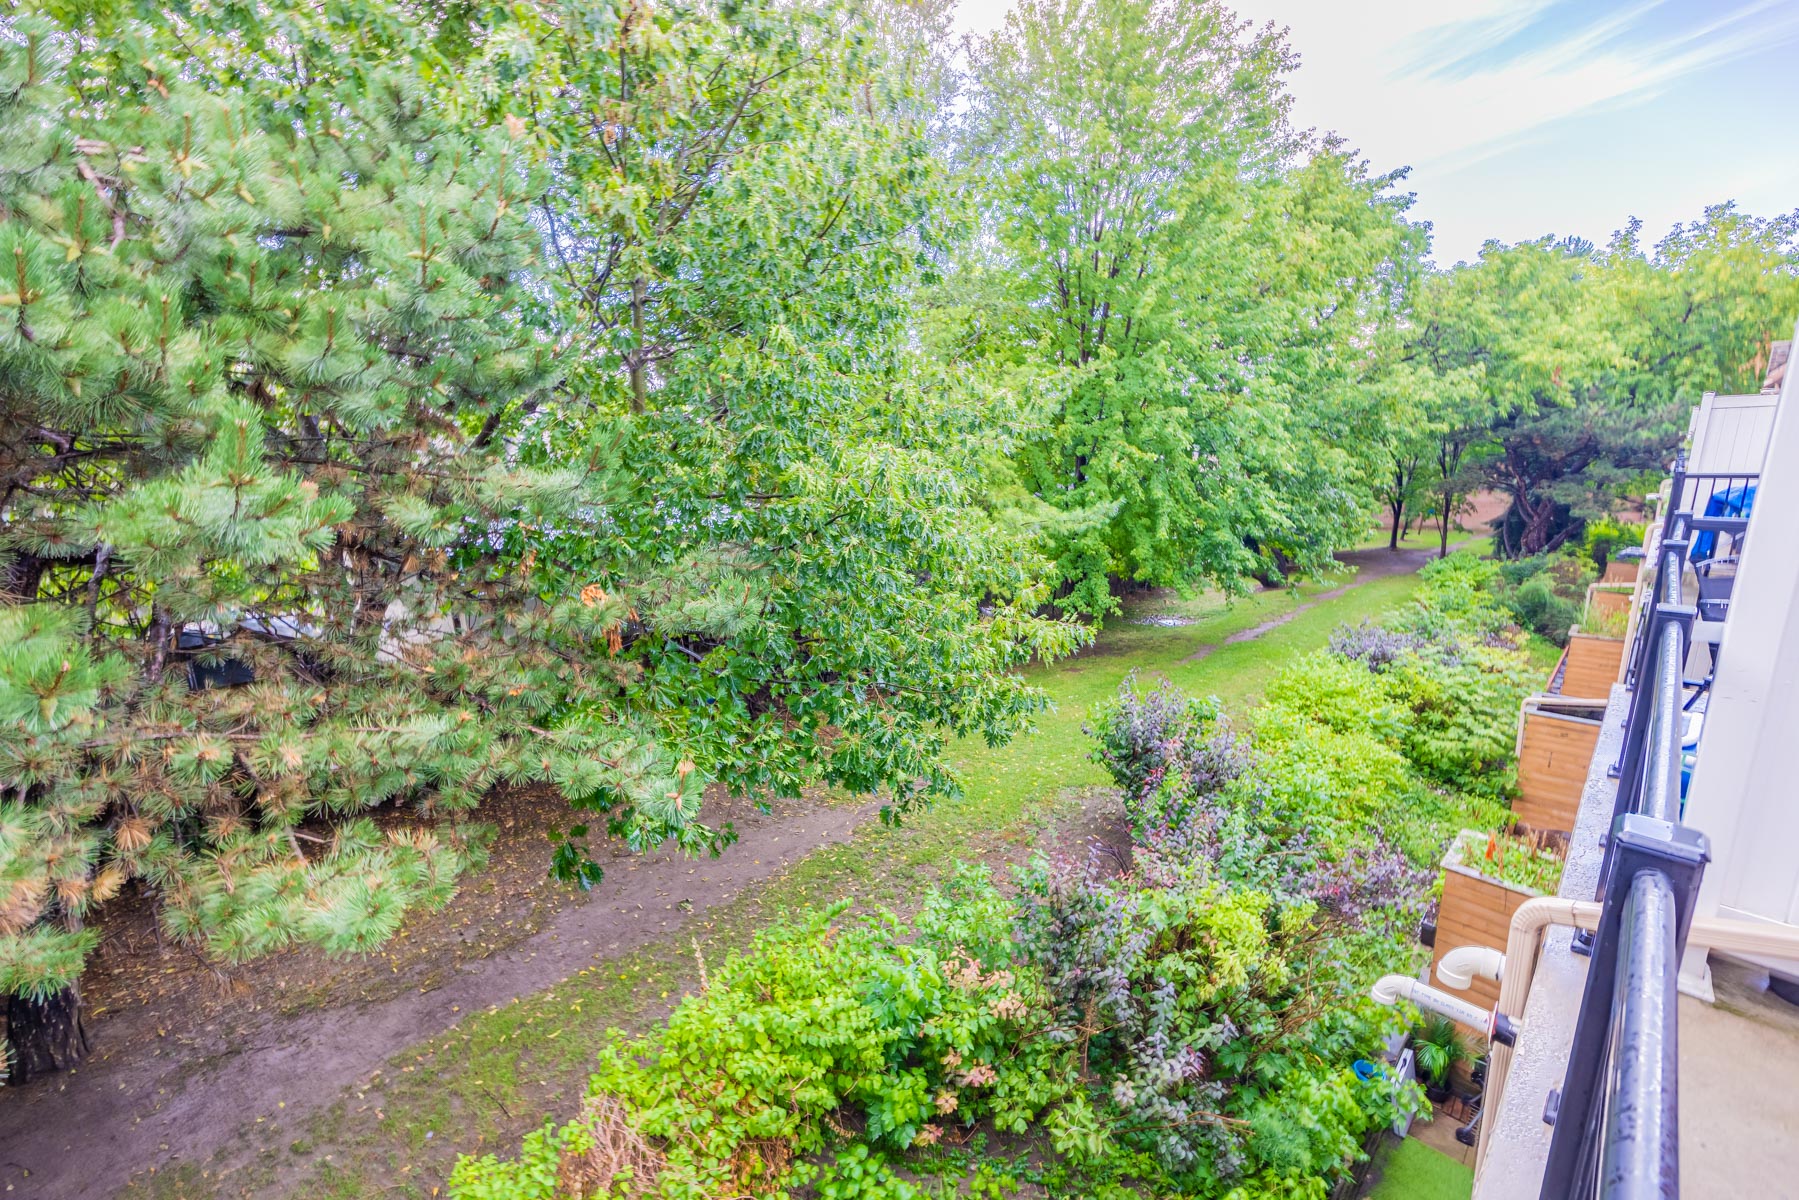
370	439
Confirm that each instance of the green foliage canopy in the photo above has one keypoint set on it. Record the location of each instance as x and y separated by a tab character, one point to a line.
1196	277
514	401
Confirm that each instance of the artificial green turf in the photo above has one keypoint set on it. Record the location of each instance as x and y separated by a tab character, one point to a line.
1414	1171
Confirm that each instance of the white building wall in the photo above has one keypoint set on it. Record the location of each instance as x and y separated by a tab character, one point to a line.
1745	789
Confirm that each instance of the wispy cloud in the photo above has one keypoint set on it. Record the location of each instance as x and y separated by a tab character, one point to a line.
1486	80
1471	77
1525	117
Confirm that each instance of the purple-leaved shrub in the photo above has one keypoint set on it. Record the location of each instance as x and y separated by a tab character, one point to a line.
1377	646
1168	753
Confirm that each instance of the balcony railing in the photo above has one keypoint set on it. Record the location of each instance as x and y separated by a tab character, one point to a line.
1615	1118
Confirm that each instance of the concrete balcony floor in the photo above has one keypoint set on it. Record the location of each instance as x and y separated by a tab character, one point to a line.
1739	1090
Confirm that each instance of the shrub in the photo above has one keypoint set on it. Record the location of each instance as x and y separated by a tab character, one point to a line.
1375	646
1167	752
1334	785
1463	714
1460	596
738	1087
1538	609
1605	536
1206	1011
1340	694
1544	593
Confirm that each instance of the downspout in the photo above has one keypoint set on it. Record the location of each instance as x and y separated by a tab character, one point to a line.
1517	966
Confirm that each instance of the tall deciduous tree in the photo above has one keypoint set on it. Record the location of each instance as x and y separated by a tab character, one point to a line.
1588	357
1199	273
1425	421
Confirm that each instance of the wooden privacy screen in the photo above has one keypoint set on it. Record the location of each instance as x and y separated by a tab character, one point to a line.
1594	664
1554	752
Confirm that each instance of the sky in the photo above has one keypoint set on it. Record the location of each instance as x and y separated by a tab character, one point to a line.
1520	118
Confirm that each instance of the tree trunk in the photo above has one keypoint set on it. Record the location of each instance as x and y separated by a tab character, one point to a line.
1443	518
639	383
20	576
44	1036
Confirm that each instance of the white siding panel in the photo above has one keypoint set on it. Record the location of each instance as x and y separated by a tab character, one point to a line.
1734	434
1745	788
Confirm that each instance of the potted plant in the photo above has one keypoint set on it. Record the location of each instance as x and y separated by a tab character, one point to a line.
1437	1048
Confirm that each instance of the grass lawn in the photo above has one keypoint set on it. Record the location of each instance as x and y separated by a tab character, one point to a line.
1427	538
1414	1171
499	1072
1418	539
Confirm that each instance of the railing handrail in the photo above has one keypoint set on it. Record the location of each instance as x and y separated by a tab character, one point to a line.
1616	1116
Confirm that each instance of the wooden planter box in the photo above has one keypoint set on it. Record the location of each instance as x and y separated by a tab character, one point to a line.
1594	664
1555	750
1603	601
1475	911
1619	572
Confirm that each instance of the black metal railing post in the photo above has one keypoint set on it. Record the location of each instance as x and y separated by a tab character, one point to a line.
1676	497
1614	1118
1639	1135
1666	621
1665	589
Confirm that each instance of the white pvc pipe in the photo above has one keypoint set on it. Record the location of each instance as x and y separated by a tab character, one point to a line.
1462	965
1393	988
1524	940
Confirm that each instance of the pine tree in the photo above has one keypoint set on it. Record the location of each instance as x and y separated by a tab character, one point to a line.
246	369
419	407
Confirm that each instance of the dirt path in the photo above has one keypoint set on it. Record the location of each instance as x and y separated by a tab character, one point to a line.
1369	564
82	1136
180	1075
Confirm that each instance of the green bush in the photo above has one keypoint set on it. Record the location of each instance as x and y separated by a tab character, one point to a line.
901	1026
1605	536
1463	713
1545	593
1337	785
1187	1026
1540	610
1461	595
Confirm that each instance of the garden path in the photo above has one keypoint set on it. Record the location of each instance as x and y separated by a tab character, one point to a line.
1369	564
167	1093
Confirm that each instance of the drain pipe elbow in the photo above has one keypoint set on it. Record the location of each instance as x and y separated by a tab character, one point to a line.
1461	966
1390	989
1524	939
